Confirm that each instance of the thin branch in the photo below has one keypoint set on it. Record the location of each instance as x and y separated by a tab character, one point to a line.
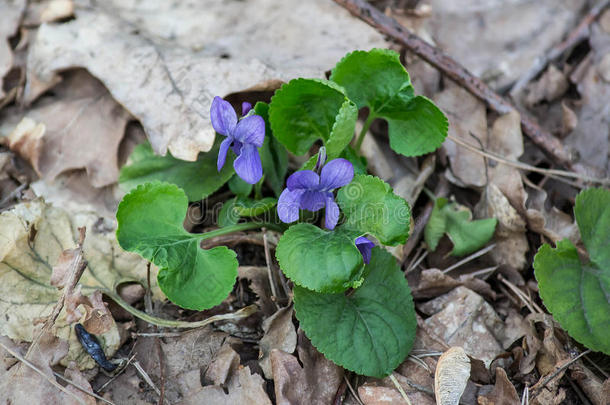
42	373
578	34
470	258
456	72
538	387
399	388
525	166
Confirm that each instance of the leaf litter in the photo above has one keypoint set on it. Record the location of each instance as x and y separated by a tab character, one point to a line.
182	66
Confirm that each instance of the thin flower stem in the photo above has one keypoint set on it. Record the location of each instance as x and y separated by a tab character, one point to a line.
236	228
242	313
365	129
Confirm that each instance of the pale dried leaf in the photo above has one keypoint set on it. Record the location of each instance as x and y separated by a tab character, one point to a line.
468	122
316	382
551	85
481	34
280	334
10	16
181	55
225	363
243	388
451	375
25	270
463	318
83	127
503	393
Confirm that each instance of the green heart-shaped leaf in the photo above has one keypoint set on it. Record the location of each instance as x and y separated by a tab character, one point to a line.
305	110
456	221
370	331
376	79
576	293
370	206
150	221
198	179
318	259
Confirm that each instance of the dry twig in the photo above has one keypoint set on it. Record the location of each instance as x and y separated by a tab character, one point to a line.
456	72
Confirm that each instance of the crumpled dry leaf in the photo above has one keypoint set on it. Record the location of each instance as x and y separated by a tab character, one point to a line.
451	375
592	133
243	388
10	16
32	237
463	318
552	223
280	334
551	85
314	383
259	284
193	53
81	126
22	385
433	282
503	393
186	358
481	34
225	363
468	122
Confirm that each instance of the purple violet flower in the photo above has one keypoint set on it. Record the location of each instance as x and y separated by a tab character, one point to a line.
244	137
245	108
309	191
364	246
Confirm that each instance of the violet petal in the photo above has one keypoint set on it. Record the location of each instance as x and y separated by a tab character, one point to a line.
248	164
337	173
245	108
364	246
312	200
305	179
251	130
223	116
332	212
222	152
288	205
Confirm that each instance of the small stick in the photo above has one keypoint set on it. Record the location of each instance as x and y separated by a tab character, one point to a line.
146	377
77	267
536	389
531	305
456	72
114	377
339	394
351	389
470	258
161	371
524	166
269	273
578	34
83	389
42	373
399	388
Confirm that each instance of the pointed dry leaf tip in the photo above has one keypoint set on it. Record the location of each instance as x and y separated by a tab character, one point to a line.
452	374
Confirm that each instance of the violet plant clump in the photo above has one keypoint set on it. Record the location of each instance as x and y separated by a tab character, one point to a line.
369	330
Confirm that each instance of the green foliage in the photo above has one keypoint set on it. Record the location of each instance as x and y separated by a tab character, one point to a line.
198	179
376	79
370	331
274	156
370	206
318	259
305	110
150	223
240	187
577	293
454	220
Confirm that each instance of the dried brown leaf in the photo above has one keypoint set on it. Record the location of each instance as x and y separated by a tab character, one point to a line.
195	52
314	383
10	15
280	334
503	393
